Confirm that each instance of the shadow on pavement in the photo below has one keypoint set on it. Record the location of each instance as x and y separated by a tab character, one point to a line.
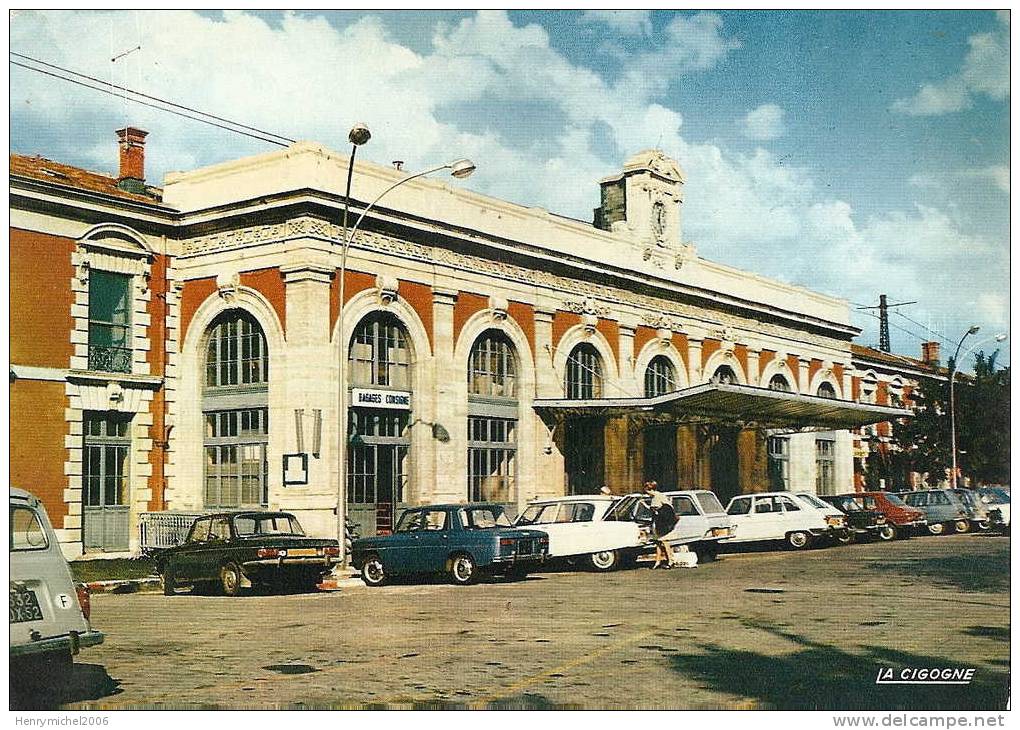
38	692
823	677
971	574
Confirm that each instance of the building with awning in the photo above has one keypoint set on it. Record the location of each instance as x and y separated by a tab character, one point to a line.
176	349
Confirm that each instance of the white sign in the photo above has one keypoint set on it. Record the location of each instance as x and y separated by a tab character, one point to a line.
367	398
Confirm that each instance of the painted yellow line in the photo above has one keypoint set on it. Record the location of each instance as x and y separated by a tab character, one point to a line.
560	669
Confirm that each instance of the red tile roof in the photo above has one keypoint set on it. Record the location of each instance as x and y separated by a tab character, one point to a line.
894	360
39	168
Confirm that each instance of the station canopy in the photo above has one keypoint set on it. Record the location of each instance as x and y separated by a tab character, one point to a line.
729	404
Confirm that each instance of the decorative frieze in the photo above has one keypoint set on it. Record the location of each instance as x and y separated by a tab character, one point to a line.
586	306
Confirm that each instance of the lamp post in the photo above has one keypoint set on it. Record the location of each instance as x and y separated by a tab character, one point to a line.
973	330
460	169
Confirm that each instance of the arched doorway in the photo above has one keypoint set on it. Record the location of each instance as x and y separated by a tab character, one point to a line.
235	409
584	438
659	462
380	360
492	419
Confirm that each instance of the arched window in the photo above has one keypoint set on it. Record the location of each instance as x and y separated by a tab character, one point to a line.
825	390
896	393
869	388
660	377
492	368
235	409
492	419
724	374
236	352
584	373
779	382
380	353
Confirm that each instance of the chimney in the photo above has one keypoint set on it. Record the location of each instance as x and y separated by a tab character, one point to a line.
930	353
132	159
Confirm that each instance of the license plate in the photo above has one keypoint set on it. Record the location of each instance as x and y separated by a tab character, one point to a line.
302	552
24	606
721	531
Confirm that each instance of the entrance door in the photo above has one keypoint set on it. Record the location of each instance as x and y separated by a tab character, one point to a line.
723	463
660	456
583	455
105	510
377	469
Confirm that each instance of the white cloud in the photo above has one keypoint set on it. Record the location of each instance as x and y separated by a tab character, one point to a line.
765	122
985	71
541	128
997	175
626	22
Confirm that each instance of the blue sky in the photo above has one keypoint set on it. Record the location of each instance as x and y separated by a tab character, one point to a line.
857	153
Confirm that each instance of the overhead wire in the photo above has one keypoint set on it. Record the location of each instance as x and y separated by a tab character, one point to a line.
171	107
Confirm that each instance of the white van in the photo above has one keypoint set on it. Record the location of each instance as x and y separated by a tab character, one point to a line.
49	613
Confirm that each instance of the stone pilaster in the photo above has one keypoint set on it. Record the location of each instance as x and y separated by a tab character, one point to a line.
753	368
628	380
694	360
448	480
803	376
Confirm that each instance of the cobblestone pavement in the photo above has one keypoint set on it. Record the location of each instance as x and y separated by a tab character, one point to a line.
762	629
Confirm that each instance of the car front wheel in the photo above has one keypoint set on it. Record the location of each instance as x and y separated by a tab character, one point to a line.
372	572
462	569
886	533
845	537
604	561
798	540
936	528
962	526
230	579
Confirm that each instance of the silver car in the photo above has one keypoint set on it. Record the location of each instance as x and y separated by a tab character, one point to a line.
943	509
49	613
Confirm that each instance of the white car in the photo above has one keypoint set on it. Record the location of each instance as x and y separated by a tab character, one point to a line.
834	517
578	529
772	516
49	612
702	523
996	498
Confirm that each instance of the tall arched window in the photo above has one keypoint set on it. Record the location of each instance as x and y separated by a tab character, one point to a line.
584	373
380	359
235	400
780	383
724	374
825	390
660	377
492	368
380	354
492	419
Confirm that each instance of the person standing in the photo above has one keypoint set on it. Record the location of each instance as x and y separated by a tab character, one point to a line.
663	521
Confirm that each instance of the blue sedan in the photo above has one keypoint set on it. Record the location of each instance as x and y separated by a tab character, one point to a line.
461	540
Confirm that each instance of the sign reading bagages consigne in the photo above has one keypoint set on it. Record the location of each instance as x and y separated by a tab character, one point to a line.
371	398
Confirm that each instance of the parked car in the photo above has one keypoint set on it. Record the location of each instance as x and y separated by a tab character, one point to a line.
49	612
863	523
578	530
943	509
702	523
997	501
976	509
462	540
236	550
834	517
771	516
905	519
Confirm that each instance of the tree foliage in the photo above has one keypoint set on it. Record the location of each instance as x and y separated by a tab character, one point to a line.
924	443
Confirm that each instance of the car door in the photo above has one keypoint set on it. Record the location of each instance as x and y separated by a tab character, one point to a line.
691	524
401	553
796	517
212	554
581	527
184	560
431	541
740	510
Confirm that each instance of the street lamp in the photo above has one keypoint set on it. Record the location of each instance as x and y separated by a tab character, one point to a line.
460	169
973	330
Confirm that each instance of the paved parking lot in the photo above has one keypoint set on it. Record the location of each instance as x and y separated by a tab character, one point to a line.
752	630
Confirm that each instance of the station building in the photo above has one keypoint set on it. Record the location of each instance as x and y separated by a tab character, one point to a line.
176	349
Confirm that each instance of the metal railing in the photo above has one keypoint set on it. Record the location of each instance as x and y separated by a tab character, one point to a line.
108	359
162	530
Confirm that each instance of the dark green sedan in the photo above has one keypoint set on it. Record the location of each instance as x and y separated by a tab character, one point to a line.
235	550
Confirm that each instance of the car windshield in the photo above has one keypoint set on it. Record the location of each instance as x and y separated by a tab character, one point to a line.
894	500
710	504
537	514
260	525
850	505
814	501
994	496
27	532
483	518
